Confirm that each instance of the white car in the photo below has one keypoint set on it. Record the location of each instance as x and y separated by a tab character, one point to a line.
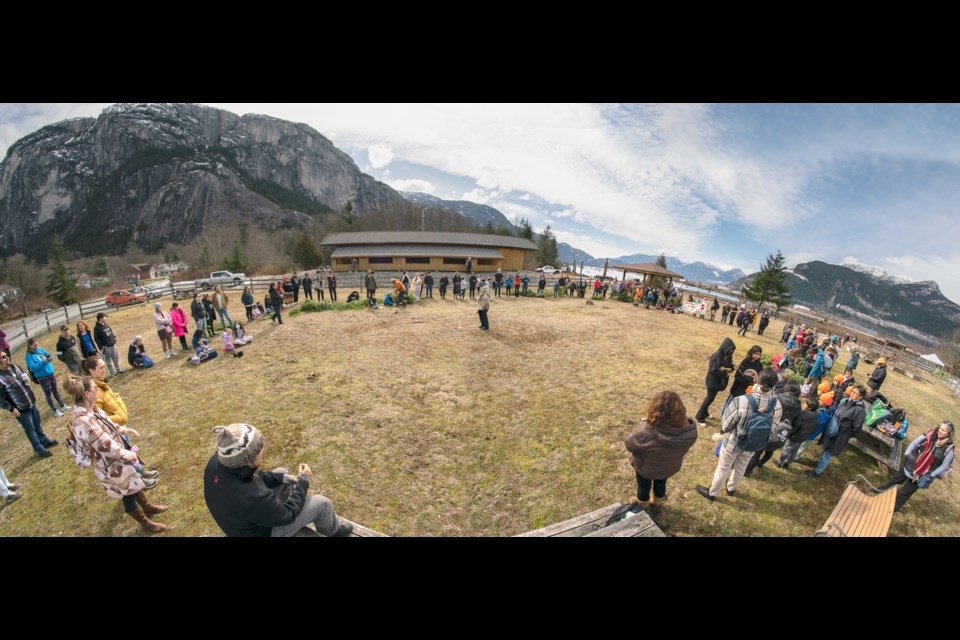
548	269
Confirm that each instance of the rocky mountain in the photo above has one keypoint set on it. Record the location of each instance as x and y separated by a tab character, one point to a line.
482	214
891	305
693	271
156	173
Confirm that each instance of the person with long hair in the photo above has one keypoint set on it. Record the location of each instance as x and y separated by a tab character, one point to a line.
658	445
164	329
276	303
88	347
179	319
40	363
246	299
110	402
113	460
928	457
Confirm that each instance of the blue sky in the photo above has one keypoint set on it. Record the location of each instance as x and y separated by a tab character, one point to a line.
722	183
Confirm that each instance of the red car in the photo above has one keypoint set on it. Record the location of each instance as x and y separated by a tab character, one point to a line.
117	298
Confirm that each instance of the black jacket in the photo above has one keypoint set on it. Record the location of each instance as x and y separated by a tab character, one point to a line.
877	377
307	283
722	357
197	310
210	311
103	335
850	418
428	280
804	425
250	509
740	381
790	407
132	353
276	299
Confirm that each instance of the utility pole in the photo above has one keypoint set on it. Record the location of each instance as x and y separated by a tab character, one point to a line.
606	263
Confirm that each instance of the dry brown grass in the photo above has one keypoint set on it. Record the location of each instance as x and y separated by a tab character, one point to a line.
417	423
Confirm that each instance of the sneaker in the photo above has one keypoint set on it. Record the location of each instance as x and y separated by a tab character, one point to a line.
13	497
701	424
149	483
732	494
344	531
13	486
704	492
65	407
167	355
57	413
51	443
153	473
778	464
119	371
812	473
44	454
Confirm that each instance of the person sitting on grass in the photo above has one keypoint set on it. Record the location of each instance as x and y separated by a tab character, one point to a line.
137	355
353	297
240	337
228	345
247	501
201	348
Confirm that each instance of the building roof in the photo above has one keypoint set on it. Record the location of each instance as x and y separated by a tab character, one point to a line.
410	250
426	237
650	268
142	268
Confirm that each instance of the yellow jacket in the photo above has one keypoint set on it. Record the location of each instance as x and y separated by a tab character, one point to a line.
110	402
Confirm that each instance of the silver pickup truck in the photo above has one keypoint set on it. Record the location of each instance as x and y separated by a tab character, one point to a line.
221	278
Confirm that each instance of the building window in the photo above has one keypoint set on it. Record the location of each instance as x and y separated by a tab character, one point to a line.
487	262
458	261
344	261
380	260
418	260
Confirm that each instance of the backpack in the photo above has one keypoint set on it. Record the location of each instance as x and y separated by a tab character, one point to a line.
33	378
758	425
623	512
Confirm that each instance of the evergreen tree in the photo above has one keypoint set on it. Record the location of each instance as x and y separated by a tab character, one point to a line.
659	281
488	228
59	284
235	262
526	229
347	216
770	285
244	235
100	267
305	252
547	252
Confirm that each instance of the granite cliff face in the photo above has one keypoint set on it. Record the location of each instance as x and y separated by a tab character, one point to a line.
158	173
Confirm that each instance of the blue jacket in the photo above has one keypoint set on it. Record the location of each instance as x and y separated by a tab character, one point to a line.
37	362
819	365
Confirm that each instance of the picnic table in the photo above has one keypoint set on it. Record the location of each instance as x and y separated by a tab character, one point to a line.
594	525
887	450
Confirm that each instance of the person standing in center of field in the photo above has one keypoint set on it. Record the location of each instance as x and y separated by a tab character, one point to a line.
742	380
658	445
469	267
541	285
483	304
276	302
417	286
456	285
428	282
473	286
332	286
444	281
107	343
717	378
497	283
40	363
180	324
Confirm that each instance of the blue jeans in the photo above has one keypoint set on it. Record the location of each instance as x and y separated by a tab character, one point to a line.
429	290
824	460
202	325
30	421
483	318
225	314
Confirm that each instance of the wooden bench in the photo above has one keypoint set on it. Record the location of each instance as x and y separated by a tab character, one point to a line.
873	442
359	531
860	515
593	525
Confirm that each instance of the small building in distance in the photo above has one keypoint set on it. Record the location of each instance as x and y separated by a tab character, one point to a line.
82	280
8	294
426	251
137	272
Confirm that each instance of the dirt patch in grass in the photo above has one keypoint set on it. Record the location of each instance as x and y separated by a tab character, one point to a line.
416	423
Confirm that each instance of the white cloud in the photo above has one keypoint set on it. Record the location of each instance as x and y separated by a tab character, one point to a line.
526	196
414	184
380	155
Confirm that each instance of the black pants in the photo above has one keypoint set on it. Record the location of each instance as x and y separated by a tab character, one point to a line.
183	342
320	294
732	318
643	488
296	294
308	291
702	412
904	491
759	459
129	502
333	293
472	289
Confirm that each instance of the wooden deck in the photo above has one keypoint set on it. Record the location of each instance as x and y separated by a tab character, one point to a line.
359	531
593	525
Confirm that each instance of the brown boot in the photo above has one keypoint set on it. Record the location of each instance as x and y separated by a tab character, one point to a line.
148	507
145	522
654	505
643	505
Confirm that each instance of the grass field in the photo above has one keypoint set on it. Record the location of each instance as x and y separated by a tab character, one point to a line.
418	424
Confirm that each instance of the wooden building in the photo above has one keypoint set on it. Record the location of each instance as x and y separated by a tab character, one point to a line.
137	272
426	251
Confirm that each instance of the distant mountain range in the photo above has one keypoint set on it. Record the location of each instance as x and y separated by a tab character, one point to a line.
869	297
